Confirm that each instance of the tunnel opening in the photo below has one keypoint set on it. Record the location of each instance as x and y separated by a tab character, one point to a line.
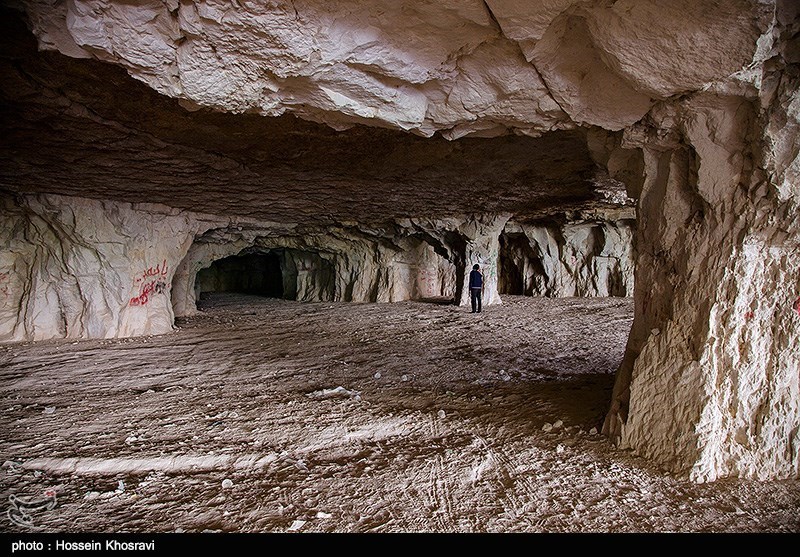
282	273
521	270
258	274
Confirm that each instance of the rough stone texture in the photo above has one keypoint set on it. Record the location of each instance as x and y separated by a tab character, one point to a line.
409	260
79	268
693	106
455	66
709	385
55	110
583	257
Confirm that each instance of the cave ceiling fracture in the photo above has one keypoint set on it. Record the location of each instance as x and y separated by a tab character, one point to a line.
321	112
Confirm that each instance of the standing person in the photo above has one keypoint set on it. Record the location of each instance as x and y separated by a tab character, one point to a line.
475	287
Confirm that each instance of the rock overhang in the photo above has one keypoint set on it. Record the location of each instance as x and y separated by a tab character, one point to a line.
323	113
84	127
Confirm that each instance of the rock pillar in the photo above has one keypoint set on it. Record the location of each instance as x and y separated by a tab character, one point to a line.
482	235
709	386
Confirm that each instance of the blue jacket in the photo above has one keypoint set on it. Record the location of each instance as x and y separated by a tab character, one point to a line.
475	279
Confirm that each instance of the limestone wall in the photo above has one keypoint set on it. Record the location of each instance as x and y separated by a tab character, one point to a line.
710	385
409	260
578	258
457	66
79	268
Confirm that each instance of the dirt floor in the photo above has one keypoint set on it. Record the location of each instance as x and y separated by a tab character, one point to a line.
265	415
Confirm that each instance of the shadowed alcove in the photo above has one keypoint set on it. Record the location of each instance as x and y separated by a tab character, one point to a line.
291	274
252	273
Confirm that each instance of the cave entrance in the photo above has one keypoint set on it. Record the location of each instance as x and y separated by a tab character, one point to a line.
291	274
521	270
258	274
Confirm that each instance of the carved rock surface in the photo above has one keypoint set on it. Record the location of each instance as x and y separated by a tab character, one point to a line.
146	148
408	260
79	268
575	258
403	138
709	385
455	66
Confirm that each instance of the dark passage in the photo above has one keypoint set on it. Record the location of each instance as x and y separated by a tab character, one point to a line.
254	273
521	270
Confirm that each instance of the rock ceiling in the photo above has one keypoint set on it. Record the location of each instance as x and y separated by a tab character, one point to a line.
319	112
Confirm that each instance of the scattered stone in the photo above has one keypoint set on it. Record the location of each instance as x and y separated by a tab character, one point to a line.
338	392
377	375
593	431
227	483
91	495
120	486
404	378
557	424
441	413
560	448
296	525
49	410
300	465
131	439
321	514
547	427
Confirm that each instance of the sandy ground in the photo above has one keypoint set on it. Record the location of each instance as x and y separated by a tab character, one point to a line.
266	415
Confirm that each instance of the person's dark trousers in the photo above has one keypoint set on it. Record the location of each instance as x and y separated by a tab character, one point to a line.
475	298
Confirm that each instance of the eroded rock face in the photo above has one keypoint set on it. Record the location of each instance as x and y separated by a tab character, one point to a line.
710	385
585	257
79	268
146	148
461	67
407	260
692	106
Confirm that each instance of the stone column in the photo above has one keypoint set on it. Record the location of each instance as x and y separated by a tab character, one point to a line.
709	386
482	236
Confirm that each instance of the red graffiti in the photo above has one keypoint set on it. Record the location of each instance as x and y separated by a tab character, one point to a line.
152	287
157	271
797	306
150	282
749	315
